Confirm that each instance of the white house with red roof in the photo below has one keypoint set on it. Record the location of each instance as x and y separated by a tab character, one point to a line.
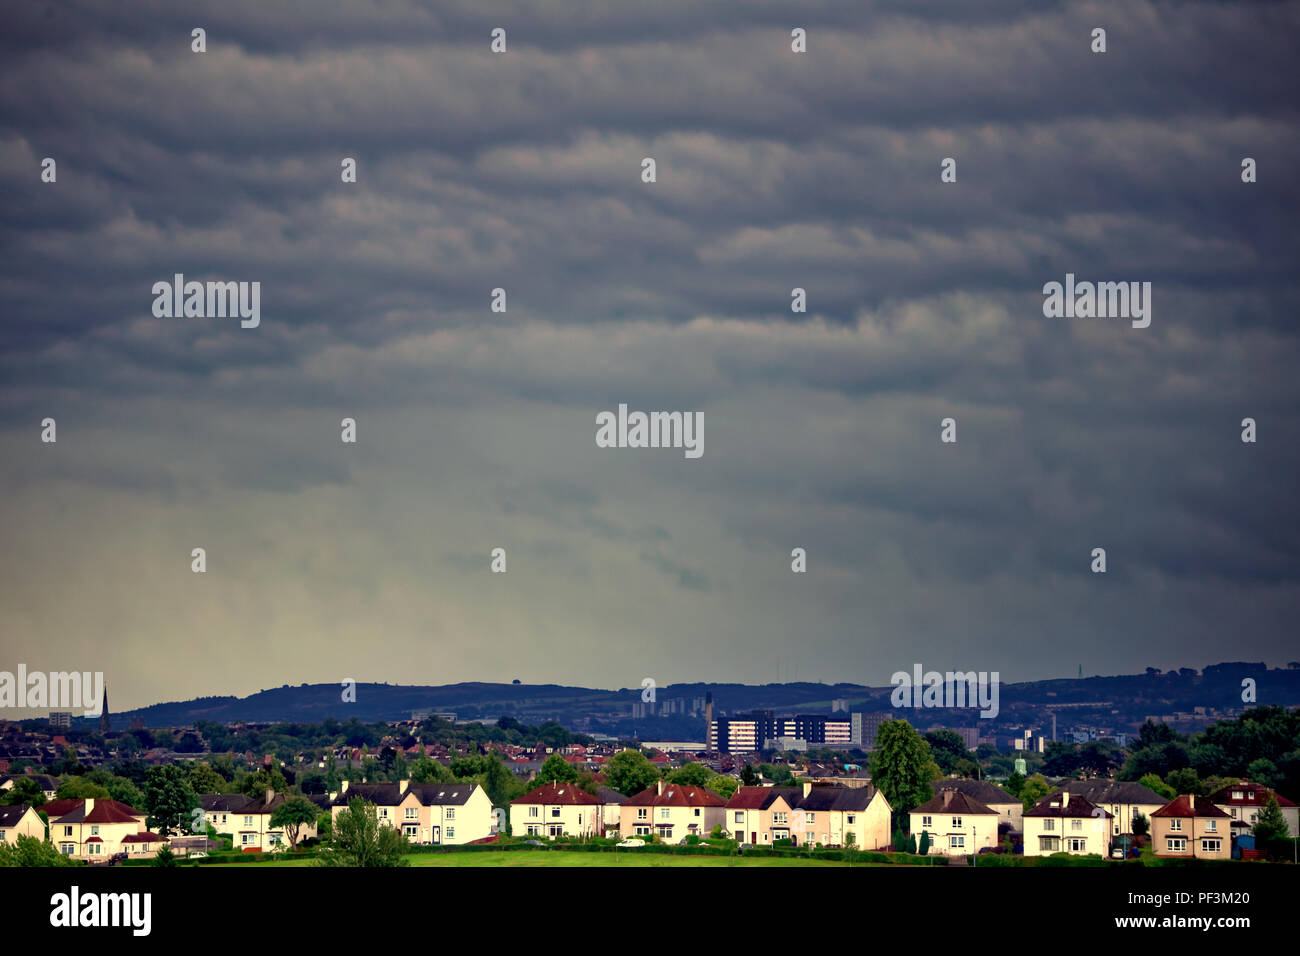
96	829
1243	801
672	812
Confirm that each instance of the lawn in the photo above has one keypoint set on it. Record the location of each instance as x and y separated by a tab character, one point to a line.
569	858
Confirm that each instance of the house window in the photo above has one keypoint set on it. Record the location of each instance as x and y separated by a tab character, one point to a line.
641	830
848	818
925	821
1176	845
1236	794
663	813
956	821
641	812
451	813
534	811
697	811
556	830
812	817
67	831
1212	826
1076	824
1175	825
410	831
555	811
778	818
740	818
533	829
451	833
1077	844
957	841
68	849
1211	846
94	849
94	831
4	834
410	813
246	838
1049	824
1049	844
248	821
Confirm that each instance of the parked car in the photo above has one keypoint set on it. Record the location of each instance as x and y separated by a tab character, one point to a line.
631	843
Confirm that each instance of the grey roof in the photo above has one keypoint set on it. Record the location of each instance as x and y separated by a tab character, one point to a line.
10	815
610	795
443	794
1076	806
380	794
983	791
225	802
1101	791
42	780
835	798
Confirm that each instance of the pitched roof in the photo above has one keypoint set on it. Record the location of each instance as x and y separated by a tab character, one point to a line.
57	808
111	811
983	791
1252	795
11	815
380	794
833	798
443	794
224	802
610	795
1188	806
1053	805
562	794
102	811
142	838
675	795
958	804
1102	790
759	798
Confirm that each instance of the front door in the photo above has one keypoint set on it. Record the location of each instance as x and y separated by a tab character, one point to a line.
437	834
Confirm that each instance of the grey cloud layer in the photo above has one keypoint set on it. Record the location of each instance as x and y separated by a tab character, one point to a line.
522	171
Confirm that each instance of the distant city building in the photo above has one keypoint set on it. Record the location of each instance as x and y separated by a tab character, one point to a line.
1030	740
744	732
60	718
864	727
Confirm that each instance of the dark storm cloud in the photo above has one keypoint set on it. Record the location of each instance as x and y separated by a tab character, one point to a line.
775	170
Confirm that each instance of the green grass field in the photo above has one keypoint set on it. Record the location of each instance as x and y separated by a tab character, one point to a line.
566	858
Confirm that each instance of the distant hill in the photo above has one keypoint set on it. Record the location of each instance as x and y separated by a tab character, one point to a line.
1118	699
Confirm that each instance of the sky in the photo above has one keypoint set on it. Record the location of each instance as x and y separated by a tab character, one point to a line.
476	429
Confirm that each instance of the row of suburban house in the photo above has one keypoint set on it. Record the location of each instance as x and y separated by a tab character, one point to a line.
964	816
1092	817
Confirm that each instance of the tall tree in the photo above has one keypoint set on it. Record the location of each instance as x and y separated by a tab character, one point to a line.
902	767
292	815
169	800
629	772
359	840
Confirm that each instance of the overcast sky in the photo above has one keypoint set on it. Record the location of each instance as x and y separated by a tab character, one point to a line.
476	429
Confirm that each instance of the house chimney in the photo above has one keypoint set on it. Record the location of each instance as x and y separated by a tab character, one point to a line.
343	787
90	805
947	796
1191	801
807	787
403	786
661	786
270	794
